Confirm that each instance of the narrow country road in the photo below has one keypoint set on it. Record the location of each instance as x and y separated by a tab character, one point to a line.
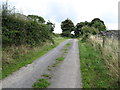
67	74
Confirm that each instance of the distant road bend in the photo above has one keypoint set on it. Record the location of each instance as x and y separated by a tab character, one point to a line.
67	74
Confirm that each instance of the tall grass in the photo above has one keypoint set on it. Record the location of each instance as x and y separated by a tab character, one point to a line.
109	50
93	70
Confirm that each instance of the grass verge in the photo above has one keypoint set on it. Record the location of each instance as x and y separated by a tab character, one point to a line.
94	71
16	61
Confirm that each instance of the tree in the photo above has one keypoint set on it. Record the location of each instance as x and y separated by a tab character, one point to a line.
98	24
89	30
93	27
51	25
86	30
67	27
66	34
78	29
36	18
86	23
79	26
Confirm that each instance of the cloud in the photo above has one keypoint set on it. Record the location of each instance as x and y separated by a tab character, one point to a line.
113	26
76	10
61	12
110	17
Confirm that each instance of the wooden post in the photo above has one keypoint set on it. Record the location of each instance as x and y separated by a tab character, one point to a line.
104	38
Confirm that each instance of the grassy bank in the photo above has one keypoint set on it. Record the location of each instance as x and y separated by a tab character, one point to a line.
109	50
95	73
17	57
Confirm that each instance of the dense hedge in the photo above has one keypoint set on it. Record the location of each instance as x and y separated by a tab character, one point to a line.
20	30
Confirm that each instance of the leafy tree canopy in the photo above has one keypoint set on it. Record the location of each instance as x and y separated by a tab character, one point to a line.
88	30
36	18
99	24
95	26
79	26
67	27
51	25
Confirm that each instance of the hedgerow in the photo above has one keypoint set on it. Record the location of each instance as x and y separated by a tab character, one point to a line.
18	29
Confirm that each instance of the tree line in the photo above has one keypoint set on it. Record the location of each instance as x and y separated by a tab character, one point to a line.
82	28
20	29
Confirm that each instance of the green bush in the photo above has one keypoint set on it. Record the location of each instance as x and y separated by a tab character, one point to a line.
18	29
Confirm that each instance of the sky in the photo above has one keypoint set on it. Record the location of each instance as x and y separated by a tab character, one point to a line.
76	10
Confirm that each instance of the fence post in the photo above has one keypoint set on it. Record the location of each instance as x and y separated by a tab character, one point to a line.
104	38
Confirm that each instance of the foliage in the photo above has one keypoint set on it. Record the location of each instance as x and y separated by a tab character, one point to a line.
88	30
60	59
78	29
85	30
41	83
36	18
47	76
66	34
18	29
99	24
93	27
51	25
67	27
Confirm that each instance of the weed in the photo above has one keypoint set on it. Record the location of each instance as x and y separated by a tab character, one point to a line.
60	59
65	49
55	64
68	44
47	76
65	52
49	69
41	83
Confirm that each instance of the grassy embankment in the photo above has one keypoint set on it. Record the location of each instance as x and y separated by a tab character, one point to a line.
95	69
17	57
